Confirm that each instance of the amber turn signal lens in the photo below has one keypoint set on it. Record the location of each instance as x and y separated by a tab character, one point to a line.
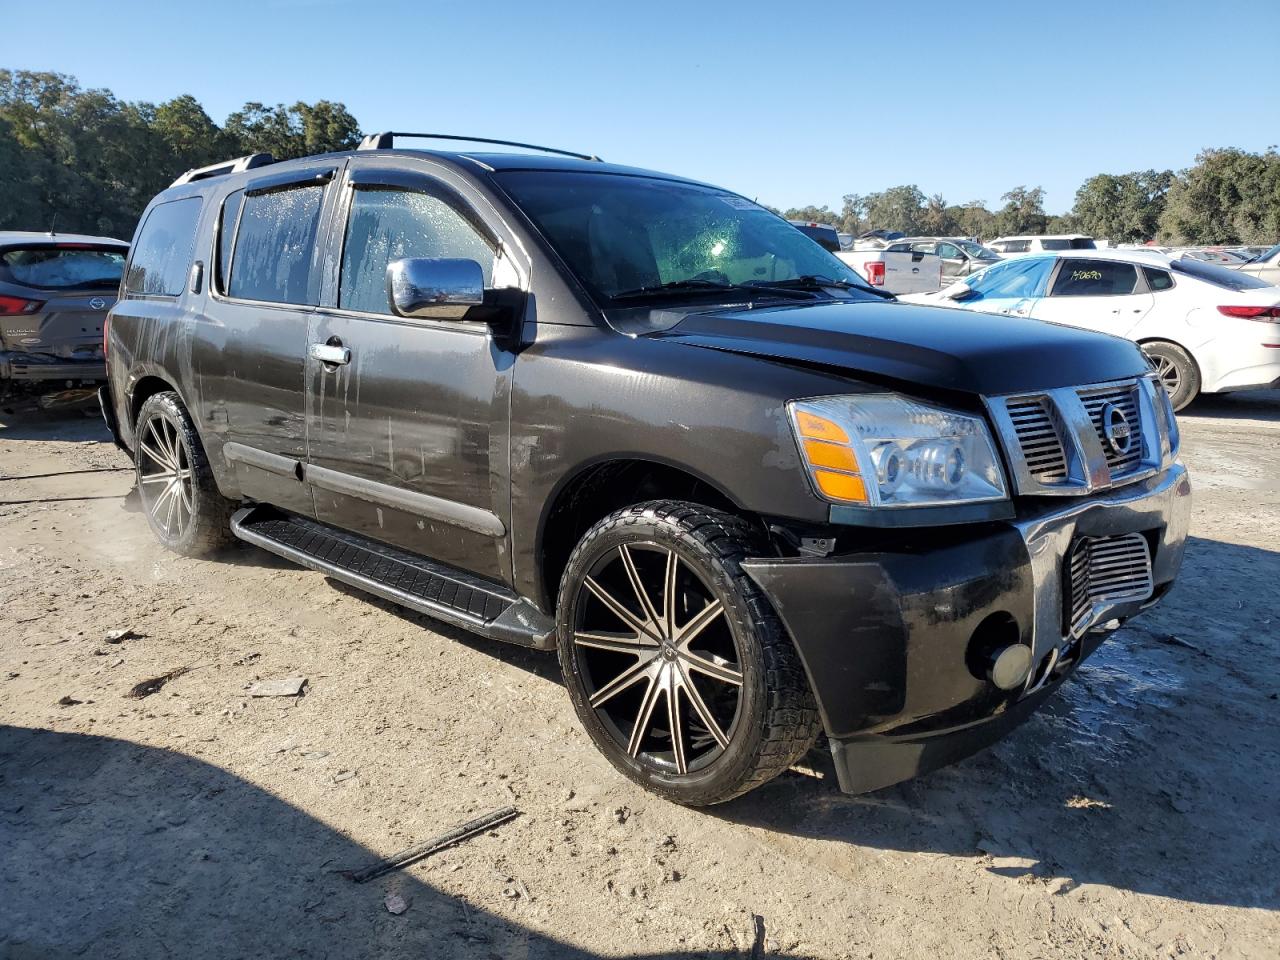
820	428
821	454
841	486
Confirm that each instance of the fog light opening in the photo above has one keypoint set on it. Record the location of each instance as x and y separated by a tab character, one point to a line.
996	652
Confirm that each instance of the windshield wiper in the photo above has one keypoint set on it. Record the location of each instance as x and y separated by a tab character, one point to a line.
694	285
811	281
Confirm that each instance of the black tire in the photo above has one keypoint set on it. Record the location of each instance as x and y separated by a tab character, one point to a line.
752	728
1177	369
179	495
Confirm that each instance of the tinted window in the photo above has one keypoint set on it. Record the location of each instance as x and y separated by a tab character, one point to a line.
227	233
1157	279
162	254
274	246
1017	278
388	225
1094	278
1017	246
621	233
1082	243
1218	276
64	267
1055	244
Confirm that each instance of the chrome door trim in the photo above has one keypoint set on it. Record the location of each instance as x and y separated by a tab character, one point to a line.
271	462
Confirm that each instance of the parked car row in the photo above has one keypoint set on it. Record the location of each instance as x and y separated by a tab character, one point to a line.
644	422
1207	329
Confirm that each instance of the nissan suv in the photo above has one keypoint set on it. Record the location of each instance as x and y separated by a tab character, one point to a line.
646	423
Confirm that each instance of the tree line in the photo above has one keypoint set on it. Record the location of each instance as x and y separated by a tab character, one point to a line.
1228	196
83	161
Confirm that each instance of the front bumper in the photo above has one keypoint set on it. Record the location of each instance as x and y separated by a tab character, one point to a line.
887	638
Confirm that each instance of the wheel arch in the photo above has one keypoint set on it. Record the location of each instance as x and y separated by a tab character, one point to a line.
598	488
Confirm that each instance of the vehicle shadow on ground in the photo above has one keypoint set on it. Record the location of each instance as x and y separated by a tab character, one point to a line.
114	849
1153	770
23	420
1250	405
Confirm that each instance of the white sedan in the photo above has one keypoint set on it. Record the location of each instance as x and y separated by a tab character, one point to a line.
1206	329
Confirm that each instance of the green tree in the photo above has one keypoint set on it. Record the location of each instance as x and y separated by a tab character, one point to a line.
1229	196
898	208
1023	212
813	214
289	132
973	219
1124	207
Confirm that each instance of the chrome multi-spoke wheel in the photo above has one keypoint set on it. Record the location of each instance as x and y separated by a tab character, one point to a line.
178	491
675	662
165	476
1167	371
657	656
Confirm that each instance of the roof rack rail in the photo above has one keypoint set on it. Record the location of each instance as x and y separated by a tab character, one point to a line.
238	165
386	141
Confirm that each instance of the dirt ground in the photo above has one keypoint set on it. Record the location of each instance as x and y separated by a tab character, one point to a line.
1137	815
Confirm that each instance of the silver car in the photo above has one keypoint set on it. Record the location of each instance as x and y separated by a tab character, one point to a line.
960	257
55	291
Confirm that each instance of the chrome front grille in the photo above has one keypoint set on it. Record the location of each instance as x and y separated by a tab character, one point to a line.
1124	399
1075	440
1039	439
1103	571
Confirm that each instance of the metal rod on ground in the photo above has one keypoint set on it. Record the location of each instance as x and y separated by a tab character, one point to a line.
427	847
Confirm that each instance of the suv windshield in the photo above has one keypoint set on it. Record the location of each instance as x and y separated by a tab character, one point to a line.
63	267
623	235
1217	275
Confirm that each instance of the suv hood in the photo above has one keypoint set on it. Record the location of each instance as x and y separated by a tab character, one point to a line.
937	347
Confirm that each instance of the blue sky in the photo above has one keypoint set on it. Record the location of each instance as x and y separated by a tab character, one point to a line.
792	103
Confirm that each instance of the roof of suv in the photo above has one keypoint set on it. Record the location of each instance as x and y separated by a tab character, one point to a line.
1151	258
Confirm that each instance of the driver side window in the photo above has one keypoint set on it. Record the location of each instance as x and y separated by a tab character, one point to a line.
386	225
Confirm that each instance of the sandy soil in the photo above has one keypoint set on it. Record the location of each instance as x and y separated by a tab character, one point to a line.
1138	815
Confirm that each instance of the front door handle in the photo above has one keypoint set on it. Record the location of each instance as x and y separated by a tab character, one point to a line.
329	353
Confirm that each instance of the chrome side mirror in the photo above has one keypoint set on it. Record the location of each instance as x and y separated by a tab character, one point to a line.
434	289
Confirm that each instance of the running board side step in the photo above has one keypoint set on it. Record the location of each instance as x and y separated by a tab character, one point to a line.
422	585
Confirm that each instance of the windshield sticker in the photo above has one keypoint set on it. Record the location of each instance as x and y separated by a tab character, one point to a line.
740	203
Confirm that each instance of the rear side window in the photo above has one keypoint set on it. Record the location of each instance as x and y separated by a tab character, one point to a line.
226	234
387	225
1017	246
78	267
1094	278
275	247
1157	279
162	254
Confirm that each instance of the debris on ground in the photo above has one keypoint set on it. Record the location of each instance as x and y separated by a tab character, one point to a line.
1176	641
1079	802
147	687
121	635
247	659
290	687
69	702
395	903
418	851
342	775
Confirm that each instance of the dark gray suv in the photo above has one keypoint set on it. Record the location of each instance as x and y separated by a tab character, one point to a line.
55	290
646	422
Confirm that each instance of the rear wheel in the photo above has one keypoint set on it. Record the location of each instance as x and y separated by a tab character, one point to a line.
1177	371
676	664
179	495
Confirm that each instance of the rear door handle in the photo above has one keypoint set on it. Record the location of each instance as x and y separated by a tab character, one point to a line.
327	353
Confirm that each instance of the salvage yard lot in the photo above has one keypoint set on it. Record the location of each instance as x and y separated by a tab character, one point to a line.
1136	815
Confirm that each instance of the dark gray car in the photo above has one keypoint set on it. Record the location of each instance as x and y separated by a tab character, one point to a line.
55	291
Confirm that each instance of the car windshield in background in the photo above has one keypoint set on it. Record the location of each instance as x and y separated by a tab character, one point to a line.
1217	275
63	268
625	236
977	250
1067	243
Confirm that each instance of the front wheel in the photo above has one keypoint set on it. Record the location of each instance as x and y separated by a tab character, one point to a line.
179	495
676	664
1177	371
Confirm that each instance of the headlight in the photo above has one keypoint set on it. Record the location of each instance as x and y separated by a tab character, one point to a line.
883	450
